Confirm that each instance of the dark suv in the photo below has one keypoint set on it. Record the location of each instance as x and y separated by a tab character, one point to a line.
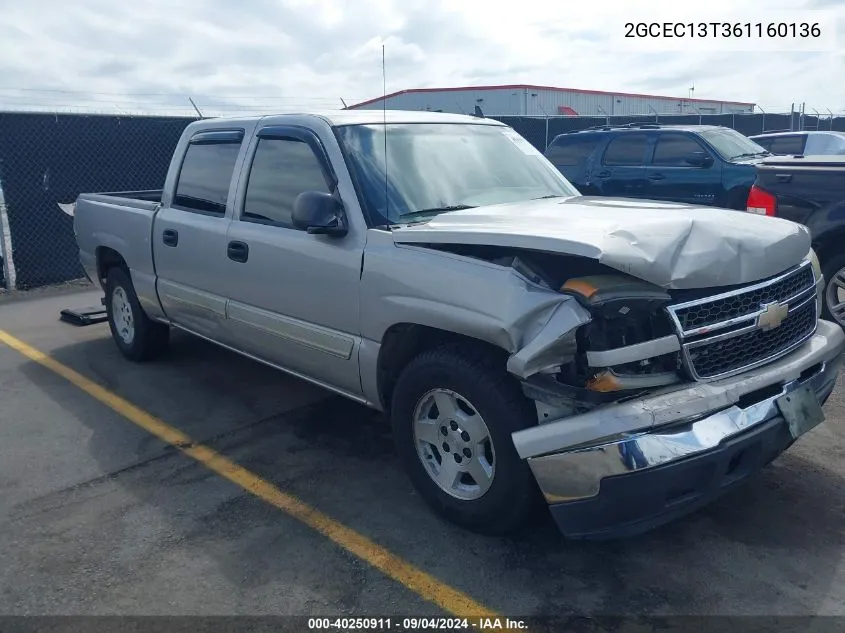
696	164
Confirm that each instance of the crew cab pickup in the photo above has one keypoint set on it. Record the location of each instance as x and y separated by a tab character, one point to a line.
810	190
626	361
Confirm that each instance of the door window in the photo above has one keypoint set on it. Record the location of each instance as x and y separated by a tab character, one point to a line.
672	150
626	150
281	170
571	151
203	184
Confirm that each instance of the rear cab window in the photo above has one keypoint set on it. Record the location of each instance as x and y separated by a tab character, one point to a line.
792	144
206	172
628	149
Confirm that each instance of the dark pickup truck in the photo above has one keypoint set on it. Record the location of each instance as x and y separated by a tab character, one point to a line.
809	190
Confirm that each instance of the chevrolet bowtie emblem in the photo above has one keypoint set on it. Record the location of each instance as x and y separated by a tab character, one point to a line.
772	315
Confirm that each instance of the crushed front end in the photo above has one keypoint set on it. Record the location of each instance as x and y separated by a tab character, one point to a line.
673	397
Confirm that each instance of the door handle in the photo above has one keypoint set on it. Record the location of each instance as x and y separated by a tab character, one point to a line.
170	237
603	174
238	251
656	176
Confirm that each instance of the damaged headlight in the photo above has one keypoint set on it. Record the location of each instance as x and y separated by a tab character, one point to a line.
630	342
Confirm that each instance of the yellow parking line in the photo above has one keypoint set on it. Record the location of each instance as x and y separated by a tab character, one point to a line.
423	584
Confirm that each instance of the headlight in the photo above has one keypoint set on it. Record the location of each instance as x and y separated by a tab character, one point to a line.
817	273
628	343
814	262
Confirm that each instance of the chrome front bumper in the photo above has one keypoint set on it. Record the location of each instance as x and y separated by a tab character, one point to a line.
571	457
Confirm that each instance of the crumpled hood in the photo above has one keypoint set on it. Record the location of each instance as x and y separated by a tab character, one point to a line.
675	246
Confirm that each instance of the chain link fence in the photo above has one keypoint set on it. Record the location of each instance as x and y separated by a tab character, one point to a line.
47	160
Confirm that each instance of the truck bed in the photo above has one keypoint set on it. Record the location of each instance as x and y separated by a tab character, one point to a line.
805	187
121	221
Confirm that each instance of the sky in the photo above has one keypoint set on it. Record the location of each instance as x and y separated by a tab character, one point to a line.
280	55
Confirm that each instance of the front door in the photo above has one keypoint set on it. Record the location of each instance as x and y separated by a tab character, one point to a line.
293	296
673	178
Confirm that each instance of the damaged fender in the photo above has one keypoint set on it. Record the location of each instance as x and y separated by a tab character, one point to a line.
553	344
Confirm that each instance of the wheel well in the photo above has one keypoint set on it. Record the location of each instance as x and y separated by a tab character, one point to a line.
738	197
403	342
108	258
827	244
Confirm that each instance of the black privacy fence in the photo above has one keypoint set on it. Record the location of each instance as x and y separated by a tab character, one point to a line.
47	160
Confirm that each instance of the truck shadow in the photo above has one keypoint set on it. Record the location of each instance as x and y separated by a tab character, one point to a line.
772	546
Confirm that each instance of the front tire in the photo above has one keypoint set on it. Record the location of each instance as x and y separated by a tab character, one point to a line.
834	293
138	337
453	411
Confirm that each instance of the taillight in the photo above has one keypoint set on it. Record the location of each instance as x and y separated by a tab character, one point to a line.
761	202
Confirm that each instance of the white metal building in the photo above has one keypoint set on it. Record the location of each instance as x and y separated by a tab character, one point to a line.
525	100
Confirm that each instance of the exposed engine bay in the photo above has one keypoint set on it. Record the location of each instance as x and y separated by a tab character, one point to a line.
627	347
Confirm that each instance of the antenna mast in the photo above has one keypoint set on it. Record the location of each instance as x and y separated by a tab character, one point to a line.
384	125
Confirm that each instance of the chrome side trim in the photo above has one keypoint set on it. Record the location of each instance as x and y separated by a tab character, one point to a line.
578	474
633	353
192	298
290	329
295	374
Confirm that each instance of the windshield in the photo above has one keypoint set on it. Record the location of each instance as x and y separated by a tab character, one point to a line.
731	144
437	167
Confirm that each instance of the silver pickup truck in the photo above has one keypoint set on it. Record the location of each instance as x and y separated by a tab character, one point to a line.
625	360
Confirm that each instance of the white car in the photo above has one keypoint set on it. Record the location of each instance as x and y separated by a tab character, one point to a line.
808	142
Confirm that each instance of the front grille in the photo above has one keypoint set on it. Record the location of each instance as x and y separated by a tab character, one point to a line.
727	334
737	305
736	352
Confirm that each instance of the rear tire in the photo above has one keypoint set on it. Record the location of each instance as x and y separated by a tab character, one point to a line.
834	293
478	398
138	337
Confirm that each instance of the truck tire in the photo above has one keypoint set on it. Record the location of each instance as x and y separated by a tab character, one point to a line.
138	337
834	294
461	459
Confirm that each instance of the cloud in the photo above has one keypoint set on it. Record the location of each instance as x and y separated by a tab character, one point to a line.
279	55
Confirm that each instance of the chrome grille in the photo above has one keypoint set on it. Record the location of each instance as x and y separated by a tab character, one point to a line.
745	303
736	331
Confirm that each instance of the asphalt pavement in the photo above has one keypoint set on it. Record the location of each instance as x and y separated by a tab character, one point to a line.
100	516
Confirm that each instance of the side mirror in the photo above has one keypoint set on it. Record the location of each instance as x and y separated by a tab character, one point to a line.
699	159
319	213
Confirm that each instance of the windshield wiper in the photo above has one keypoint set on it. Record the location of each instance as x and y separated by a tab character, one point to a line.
551	195
433	211
749	155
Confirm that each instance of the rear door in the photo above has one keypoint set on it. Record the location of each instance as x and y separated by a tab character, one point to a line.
621	170
189	234
671	176
293	296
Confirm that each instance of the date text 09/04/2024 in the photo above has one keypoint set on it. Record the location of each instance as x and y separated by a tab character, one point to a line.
723	29
416	624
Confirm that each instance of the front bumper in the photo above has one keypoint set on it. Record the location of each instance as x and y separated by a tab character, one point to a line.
627	468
